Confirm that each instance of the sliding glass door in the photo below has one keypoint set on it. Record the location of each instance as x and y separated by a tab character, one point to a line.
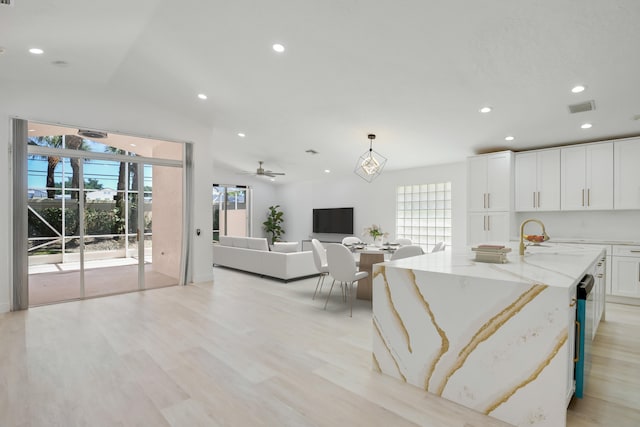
102	219
231	211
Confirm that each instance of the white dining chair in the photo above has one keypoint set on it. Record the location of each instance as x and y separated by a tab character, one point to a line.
320	260
440	246
406	252
342	267
350	240
404	242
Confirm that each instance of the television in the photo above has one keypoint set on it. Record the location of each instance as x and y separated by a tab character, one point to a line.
334	220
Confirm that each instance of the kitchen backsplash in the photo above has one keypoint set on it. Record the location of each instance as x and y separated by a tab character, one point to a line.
598	225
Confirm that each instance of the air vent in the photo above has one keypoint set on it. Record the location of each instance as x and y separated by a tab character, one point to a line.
93	134
582	107
311	151
6	2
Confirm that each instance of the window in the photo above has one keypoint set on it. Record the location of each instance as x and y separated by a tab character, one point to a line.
423	214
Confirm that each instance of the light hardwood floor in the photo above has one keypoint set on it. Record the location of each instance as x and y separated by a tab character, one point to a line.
247	351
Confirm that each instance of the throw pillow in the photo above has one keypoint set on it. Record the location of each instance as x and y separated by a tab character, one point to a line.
285	247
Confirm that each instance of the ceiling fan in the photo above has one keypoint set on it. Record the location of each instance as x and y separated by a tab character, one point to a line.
262	172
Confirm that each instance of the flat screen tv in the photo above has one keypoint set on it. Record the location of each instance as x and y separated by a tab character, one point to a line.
334	220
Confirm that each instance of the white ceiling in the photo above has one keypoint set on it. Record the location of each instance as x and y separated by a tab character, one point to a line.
413	72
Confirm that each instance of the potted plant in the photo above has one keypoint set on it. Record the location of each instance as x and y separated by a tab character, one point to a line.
273	223
376	233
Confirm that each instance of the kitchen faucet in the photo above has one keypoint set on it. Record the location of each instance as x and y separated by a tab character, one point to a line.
545	236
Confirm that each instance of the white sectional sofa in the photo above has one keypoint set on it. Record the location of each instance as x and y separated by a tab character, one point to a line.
252	254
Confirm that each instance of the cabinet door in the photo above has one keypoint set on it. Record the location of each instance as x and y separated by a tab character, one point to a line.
599	178
627	174
548	183
498	227
477	183
626	277
476	228
526	186
573	173
499	181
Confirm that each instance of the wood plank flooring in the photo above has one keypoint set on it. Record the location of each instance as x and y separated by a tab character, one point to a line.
247	351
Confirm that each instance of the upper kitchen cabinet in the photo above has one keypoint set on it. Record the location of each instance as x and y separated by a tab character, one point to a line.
489	178
627	174
587	177
538	180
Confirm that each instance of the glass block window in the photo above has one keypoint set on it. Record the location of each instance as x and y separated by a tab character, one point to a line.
423	214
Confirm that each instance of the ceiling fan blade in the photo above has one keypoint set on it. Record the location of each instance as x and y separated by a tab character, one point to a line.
274	173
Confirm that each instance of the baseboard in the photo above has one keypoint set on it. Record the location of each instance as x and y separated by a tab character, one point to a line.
5	307
623	300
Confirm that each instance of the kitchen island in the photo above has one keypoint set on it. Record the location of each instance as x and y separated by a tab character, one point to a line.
497	338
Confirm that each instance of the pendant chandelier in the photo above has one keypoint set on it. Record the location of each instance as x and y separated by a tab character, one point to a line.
371	163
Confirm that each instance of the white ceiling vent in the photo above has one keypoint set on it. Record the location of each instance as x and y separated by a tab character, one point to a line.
582	107
6	2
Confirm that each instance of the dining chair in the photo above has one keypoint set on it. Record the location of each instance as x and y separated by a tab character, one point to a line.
342	267
320	260
350	240
404	242
439	247
406	252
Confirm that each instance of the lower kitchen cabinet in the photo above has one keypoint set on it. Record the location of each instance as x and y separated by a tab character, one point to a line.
625	280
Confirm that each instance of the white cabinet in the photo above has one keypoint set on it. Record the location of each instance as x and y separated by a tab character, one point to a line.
626	161
489	182
625	279
599	290
587	177
491	227
537	180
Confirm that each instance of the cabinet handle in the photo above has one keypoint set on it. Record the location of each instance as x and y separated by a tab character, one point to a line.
573	302
633	251
534	199
538	199
488	200
589	197
583	197
639	272
489	224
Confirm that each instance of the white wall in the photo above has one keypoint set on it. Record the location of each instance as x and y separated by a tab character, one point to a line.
373	203
114	112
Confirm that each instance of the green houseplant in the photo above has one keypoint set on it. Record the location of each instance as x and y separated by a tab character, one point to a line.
273	223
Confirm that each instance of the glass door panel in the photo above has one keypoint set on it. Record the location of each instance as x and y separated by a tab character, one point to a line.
161	221
110	218
53	244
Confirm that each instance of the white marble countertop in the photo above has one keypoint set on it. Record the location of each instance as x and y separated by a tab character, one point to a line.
553	265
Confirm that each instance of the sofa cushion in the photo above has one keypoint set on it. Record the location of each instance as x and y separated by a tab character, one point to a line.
240	242
257	243
226	241
285	247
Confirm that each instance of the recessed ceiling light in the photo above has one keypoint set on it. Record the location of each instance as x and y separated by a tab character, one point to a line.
278	48
578	89
202	96
36	51
509	138
133	145
241	135
485	109
327	171
586	126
